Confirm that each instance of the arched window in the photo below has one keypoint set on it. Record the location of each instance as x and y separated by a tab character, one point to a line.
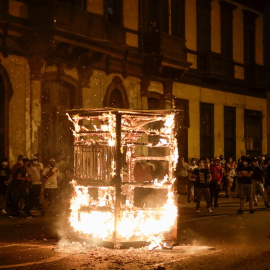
116	96
116	99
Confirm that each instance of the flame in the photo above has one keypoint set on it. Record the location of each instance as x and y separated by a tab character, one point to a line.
99	217
88	217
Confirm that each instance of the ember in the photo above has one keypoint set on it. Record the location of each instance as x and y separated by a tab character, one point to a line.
108	202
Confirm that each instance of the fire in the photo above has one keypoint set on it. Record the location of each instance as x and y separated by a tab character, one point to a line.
106	207
134	223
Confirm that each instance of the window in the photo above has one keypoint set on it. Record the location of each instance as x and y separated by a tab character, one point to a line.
204	25
81	4
229	132
226	29
227	37
253	132
207	130
178	18
154	16
113	10
116	99
249	43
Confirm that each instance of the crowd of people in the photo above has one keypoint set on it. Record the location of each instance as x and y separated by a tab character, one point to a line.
248	178
27	186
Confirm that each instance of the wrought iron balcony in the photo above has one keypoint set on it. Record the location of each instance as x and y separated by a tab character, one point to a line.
257	74
166	47
215	64
81	22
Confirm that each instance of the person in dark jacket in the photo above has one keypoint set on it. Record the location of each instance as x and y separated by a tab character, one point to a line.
244	174
5	178
257	182
202	177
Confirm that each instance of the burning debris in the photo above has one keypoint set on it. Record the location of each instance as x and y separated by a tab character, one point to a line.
110	202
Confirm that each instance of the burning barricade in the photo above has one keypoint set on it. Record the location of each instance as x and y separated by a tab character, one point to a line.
124	184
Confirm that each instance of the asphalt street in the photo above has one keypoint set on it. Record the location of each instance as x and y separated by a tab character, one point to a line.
219	240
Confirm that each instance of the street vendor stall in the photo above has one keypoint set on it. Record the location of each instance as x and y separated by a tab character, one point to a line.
124	183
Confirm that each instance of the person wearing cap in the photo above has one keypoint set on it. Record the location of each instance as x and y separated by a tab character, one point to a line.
257	182
21	190
216	178
244	174
50	177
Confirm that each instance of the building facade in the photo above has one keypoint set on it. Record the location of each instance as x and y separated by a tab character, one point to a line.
201	56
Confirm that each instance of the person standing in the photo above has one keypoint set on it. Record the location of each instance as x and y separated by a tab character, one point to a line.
216	178
244	174
21	190
230	176
257	182
182	176
5	178
35	188
191	179
267	179
51	178
202	176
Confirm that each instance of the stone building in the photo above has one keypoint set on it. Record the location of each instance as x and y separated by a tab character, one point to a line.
204	57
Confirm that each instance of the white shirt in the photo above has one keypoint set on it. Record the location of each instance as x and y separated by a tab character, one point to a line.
34	172
51	182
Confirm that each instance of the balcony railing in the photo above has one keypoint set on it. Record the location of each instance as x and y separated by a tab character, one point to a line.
87	24
169	47
215	64
257	74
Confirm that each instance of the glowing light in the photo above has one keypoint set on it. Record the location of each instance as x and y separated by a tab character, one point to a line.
99	217
134	223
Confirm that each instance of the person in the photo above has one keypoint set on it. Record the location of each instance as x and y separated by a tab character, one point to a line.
5	178
267	179
40	167
202	177
216	178
51	177
21	190
223	182
191	179
207	163
257	182
244	173
230	175
17	165
142	172
35	188
182	176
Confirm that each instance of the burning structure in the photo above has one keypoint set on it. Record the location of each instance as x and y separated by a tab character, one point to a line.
118	197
